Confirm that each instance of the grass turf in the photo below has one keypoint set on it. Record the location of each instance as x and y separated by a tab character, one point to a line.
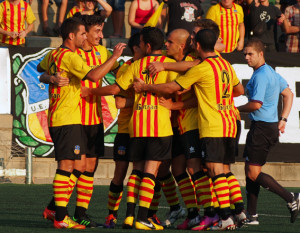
21	208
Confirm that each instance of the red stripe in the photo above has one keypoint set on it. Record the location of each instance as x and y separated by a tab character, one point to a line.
42	117
145	199
148	115
232	30
84	187
192	193
187	188
60	182
60	192
132	194
91	105
114	198
84	194
19	23
85	180
82	200
148	190
4	21
63	199
12	25
222	25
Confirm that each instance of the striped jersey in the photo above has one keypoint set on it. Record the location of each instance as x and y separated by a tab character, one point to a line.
91	110
213	81
187	118
125	113
228	21
13	18
149	119
64	102
73	11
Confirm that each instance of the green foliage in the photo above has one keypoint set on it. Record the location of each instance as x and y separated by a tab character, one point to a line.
17	124
18	105
40	150
19	132
28	141
16	65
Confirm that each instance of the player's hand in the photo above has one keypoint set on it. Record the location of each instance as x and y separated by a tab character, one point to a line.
240	45
85	91
138	85
280	19
167	103
155	67
118	49
281	127
22	34
13	34
59	80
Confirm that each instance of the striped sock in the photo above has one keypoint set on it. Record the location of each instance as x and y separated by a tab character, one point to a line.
114	198
187	190
133	186
84	188
222	192
146	193
236	199
155	201
60	193
72	182
204	189
168	186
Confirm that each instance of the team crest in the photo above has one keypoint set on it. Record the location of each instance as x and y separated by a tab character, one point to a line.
98	55
121	150
188	14
77	150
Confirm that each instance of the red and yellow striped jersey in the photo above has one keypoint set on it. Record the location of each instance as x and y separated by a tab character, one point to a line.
13	18
91	110
213	81
125	113
73	11
228	21
187	118
149	119
64	102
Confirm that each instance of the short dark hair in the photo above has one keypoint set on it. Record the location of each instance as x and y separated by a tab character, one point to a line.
208	24
154	37
207	39
257	44
134	40
70	25
92	20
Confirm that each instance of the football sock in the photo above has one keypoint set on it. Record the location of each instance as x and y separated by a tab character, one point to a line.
155	201
114	198
187	190
204	189
252	191
146	193
236	199
60	193
268	182
84	188
51	205
133	186
222	192
168	186
72	182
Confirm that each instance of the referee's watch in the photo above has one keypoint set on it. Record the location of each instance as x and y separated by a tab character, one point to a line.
283	119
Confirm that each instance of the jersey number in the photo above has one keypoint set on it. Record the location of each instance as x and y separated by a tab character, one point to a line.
225	80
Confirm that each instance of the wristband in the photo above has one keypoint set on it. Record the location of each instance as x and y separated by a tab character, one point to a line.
283	119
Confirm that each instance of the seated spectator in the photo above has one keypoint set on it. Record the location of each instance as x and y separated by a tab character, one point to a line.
263	19
291	26
90	8
183	14
77	8
118	17
13	32
140	12
61	16
230	19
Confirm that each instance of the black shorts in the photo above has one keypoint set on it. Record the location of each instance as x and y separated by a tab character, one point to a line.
69	143
191	144
237	137
261	137
121	147
177	144
94	138
218	150
150	148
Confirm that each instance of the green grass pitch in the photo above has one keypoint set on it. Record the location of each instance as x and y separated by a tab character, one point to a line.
21	208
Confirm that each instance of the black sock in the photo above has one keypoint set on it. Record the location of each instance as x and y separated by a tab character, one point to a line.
143	214
130	209
51	205
272	185
252	191
79	212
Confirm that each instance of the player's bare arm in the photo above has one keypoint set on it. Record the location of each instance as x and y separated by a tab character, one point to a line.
287	99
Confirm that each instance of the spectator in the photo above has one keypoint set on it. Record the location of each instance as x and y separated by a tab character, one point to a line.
118	16
79	6
140	12
230	19
291	26
183	14
13	32
285	3
263	18
90	8
61	15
